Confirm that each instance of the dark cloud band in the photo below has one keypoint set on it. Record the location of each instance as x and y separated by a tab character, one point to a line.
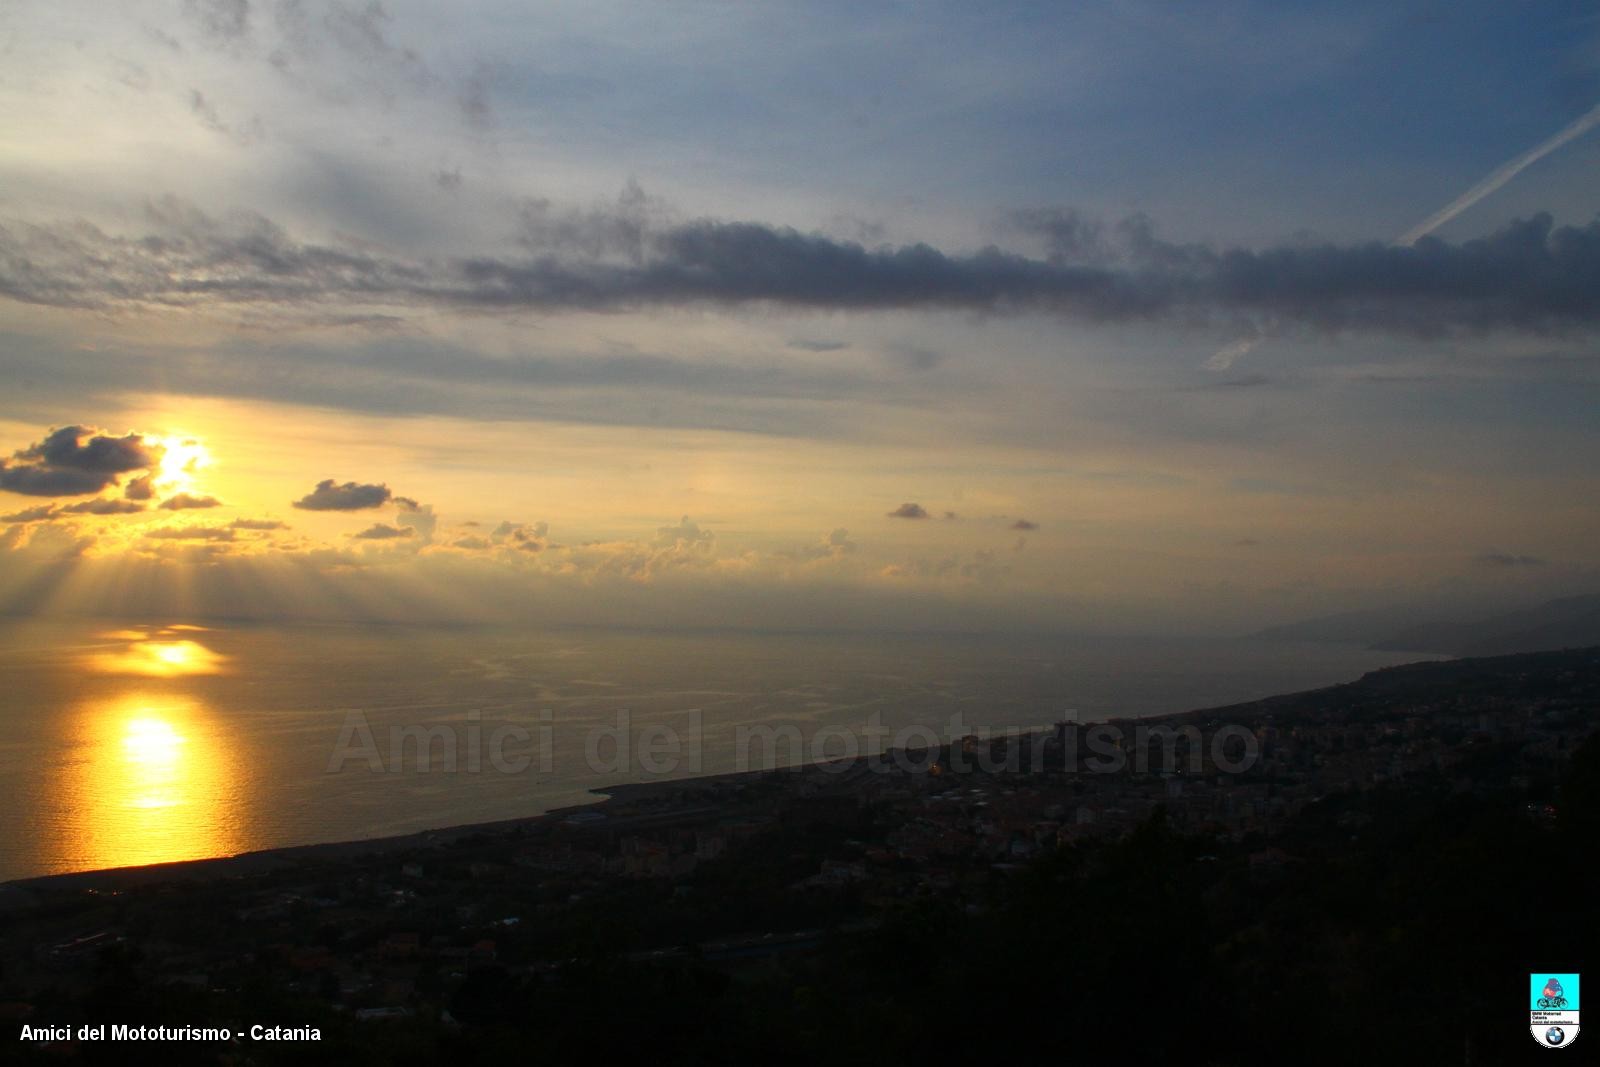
1531	276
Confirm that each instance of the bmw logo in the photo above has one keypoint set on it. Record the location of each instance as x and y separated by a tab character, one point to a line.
1555	1035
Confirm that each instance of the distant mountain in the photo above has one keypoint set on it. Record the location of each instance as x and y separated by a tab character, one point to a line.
1571	622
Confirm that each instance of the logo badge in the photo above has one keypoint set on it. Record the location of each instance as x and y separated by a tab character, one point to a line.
1553	1008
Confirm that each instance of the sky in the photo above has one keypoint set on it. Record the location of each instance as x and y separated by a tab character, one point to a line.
1107	317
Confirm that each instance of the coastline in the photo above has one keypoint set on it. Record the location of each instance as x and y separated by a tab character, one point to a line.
288	857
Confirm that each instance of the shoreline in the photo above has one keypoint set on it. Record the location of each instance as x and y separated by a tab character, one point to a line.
284	857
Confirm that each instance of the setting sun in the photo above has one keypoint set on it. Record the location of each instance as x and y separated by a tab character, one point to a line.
181	458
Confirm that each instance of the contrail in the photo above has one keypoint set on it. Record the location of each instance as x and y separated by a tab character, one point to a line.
1579	126
1500	175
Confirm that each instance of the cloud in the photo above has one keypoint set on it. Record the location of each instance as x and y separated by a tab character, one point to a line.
350	496
207	113
1507	559
257	524
425	374
835	545
380	531
76	461
909	511
687	534
46	512
528	538
1224	358
191	533
806	345
1069	235
418	517
188	501
42	513
1024	524
472	97
67	448
1529	277
45	481
981	567
47	542
141	488
103	507
220	21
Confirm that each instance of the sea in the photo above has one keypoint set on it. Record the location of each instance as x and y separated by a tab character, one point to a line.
130	742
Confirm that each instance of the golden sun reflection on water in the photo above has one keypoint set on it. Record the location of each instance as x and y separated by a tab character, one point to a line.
158	659
152	781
